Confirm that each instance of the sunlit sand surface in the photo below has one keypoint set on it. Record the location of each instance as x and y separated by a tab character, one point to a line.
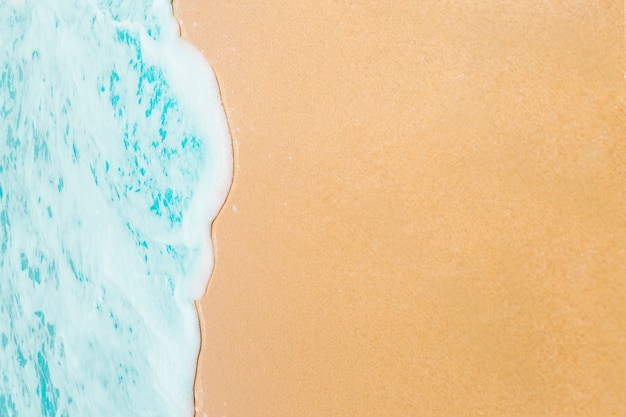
427	216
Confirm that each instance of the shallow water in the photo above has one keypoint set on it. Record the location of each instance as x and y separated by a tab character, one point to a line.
115	157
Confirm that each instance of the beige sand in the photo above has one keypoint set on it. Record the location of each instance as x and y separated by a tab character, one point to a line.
428	216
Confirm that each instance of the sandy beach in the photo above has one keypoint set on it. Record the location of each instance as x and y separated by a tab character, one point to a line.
428	209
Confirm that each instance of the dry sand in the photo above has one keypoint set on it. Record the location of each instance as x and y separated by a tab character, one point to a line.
428	215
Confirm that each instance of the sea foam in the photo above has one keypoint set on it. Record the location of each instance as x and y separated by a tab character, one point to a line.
114	158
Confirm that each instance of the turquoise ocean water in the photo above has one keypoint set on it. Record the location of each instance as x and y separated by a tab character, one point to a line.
114	158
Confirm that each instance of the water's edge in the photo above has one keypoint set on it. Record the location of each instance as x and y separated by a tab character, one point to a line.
115	157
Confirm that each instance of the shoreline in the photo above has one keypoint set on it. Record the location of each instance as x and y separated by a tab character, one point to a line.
425	211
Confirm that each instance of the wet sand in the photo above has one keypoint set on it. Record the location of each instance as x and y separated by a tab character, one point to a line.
428	214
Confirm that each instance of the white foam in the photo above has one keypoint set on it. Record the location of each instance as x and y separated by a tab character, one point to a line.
116	157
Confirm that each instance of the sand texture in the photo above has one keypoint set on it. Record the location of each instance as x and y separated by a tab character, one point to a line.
428	214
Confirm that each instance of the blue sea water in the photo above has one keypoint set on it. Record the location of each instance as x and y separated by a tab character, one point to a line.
114	158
